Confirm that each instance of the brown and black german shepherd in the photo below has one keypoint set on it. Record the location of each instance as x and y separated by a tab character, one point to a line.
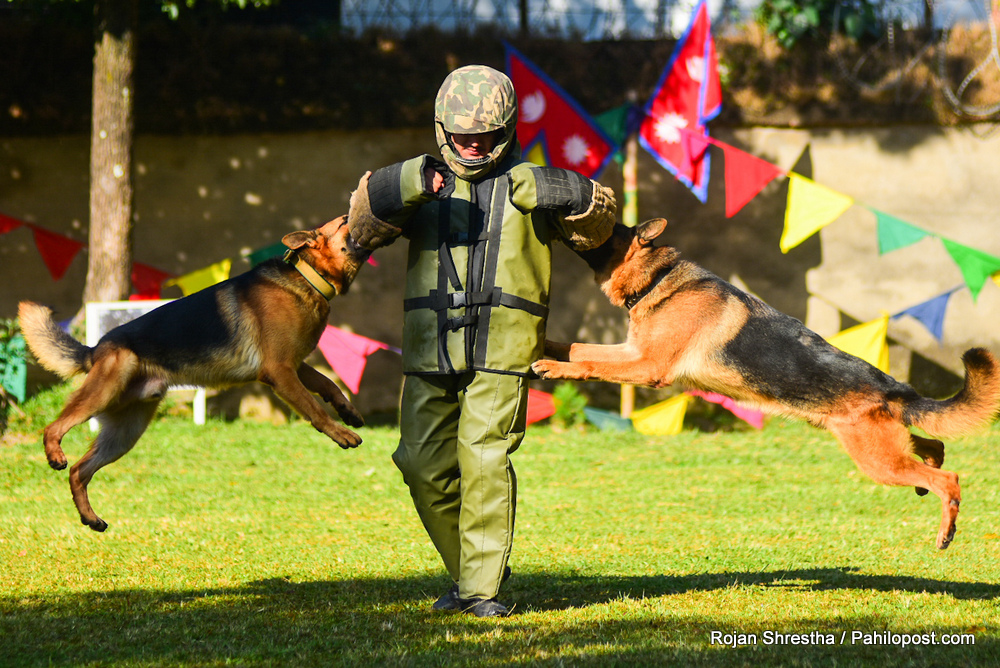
690	327
260	325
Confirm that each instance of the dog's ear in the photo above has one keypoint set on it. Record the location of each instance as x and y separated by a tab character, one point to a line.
296	240
650	229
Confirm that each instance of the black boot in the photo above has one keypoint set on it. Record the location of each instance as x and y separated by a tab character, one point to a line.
450	600
484	607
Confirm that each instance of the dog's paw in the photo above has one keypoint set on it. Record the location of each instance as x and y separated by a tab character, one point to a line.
97	524
944	538
546	368
54	454
350	415
347	439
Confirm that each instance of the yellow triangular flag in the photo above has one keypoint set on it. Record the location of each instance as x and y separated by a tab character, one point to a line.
663	419
996	279
867	341
536	154
202	278
811	207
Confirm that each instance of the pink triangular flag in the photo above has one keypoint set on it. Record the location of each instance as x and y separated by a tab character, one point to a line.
347	353
749	415
56	250
746	175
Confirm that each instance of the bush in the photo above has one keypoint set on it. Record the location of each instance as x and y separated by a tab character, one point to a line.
569	406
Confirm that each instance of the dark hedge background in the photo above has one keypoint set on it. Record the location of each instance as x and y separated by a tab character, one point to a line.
252	71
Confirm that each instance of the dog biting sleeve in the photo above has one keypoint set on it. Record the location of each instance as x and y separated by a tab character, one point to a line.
367	229
592	227
387	198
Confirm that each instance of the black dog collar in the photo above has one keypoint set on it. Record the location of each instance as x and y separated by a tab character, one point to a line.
632	300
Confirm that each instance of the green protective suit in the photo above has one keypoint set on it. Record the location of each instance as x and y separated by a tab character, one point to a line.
475	306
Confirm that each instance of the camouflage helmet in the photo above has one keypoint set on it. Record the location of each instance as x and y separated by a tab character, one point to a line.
472	100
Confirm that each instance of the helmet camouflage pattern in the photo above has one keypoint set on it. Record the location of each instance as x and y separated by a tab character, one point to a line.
472	100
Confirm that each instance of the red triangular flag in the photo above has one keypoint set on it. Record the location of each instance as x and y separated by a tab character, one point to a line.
711	101
56	250
746	175
678	104
147	281
540	405
8	224
547	114
695	145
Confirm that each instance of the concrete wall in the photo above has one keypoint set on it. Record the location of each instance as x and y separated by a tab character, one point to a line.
203	199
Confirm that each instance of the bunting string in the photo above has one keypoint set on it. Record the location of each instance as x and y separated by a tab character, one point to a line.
58	252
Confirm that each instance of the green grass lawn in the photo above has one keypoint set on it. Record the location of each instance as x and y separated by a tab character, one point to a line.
250	544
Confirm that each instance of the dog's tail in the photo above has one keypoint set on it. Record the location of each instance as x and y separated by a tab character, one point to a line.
54	348
974	406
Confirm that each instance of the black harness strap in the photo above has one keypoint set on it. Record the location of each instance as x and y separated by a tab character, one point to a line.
446	273
490	270
481	220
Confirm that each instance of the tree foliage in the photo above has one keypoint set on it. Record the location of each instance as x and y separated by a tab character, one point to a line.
793	21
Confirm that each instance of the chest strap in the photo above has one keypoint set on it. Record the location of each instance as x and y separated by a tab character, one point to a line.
495	297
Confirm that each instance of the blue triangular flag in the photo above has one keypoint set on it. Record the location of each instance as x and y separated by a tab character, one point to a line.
930	313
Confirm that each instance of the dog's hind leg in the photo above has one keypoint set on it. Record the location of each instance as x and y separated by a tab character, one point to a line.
121	427
880	447
319	384
286	384
102	387
931	451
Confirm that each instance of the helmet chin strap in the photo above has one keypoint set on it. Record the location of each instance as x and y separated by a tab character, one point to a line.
473	169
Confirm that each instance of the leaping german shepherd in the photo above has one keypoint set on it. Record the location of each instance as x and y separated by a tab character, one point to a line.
260	325
690	327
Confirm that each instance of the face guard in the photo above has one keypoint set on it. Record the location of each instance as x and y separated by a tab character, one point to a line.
473	100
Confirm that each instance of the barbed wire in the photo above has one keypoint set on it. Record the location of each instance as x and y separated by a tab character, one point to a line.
990	61
961	35
586	19
915	33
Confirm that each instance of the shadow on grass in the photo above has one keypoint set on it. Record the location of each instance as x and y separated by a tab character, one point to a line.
388	622
582	591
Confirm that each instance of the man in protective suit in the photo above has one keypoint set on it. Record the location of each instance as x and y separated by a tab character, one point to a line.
479	226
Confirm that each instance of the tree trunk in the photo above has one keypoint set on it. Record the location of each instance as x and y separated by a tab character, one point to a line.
109	262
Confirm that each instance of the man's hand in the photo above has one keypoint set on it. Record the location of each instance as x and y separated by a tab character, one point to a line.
433	179
439	181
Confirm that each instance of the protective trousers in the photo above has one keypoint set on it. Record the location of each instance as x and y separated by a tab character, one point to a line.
456	434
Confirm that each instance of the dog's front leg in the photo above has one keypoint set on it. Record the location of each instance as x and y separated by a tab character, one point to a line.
319	384
285	381
620	363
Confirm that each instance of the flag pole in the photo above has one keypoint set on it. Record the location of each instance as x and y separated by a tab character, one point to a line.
630	217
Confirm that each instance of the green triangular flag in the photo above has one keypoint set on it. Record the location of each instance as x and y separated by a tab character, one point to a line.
894	234
13	368
614	122
266	253
976	266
